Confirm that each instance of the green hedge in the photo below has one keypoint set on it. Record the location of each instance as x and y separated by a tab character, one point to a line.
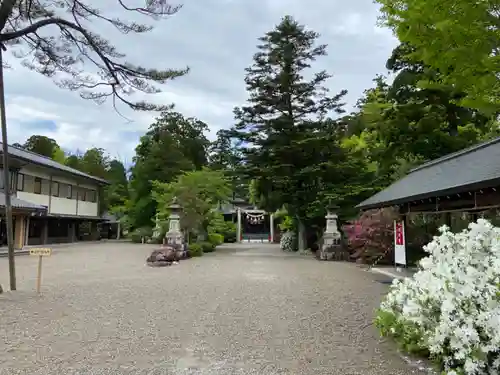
207	247
195	250
139	233
215	239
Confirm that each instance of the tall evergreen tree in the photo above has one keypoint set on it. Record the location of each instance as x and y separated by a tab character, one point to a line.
224	155
290	141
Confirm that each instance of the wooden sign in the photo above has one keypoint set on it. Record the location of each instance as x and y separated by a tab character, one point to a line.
40	252
43	252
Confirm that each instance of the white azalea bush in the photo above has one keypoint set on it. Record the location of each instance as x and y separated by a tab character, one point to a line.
287	242
450	309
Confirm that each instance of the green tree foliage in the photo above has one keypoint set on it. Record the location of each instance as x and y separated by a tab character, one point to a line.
25	26
292	147
173	145
42	145
73	161
95	162
225	155
459	38
59	155
117	192
405	124
198	193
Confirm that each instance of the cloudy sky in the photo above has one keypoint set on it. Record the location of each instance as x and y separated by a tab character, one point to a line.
216	39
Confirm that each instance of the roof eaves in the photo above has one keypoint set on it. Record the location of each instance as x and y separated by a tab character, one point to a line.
63	168
455	154
437	193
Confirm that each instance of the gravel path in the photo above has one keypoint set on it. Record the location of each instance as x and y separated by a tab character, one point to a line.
246	309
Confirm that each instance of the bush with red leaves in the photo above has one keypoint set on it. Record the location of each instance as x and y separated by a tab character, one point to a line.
371	236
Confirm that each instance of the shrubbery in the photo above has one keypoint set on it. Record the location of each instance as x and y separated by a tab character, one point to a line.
225	228
288	242
207	247
450	309
139	233
216	239
371	236
195	250
199	248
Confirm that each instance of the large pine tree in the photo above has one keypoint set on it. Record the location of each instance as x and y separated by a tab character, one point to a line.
290	141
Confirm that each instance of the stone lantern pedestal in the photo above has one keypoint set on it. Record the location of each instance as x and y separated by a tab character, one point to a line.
174	237
331	248
173	250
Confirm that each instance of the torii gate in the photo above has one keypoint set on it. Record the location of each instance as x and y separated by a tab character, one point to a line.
252	213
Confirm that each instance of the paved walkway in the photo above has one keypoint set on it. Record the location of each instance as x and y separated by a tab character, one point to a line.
245	309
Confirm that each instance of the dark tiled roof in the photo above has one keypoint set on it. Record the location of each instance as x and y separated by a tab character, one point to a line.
34	158
109	217
19	203
474	167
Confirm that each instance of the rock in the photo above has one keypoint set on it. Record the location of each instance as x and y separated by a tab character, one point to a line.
161	263
162	257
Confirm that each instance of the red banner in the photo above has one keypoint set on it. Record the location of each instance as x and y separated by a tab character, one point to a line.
399	234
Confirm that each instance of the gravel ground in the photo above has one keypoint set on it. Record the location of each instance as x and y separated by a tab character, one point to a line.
246	309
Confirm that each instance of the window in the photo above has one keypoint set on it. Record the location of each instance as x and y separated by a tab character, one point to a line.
81	194
69	191
20	182
12	176
91	196
13	181
74	192
55	188
37	188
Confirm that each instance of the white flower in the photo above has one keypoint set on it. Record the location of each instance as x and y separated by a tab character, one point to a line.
455	299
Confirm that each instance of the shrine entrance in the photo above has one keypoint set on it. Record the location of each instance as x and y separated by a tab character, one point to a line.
255	226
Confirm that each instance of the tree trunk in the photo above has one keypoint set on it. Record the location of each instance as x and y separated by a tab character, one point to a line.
301	236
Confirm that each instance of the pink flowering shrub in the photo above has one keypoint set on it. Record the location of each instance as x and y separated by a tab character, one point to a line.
371	236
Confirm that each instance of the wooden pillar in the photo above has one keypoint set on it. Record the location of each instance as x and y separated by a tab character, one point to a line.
94	231
238	228
27	235
271	224
447	220
19	232
72	231
45	231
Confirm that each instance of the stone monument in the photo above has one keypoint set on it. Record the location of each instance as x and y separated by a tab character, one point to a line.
157	228
331	247
173	251
174	236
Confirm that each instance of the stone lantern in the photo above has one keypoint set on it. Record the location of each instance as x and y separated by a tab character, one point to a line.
331	237
174	236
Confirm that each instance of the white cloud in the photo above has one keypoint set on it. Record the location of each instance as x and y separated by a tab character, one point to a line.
217	39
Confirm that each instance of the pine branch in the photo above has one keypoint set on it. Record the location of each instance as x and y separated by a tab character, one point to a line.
62	56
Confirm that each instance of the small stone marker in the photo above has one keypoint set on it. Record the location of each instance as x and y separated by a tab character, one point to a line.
40	252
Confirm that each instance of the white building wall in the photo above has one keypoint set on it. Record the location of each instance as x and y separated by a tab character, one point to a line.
40	199
59	205
63	206
87	209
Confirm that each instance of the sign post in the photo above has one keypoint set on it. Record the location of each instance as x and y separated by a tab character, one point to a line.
40	253
399	243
